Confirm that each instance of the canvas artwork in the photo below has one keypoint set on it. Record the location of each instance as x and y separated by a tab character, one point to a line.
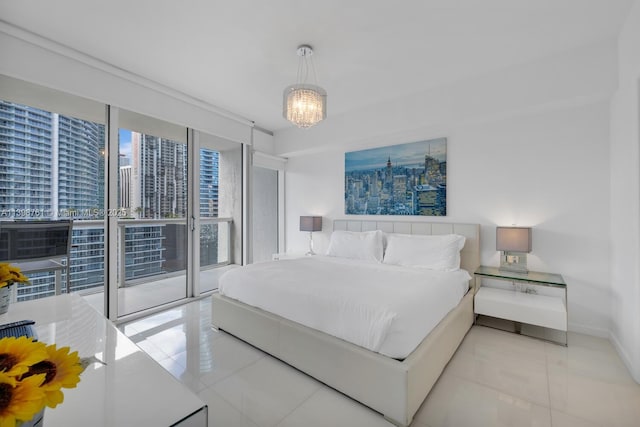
405	179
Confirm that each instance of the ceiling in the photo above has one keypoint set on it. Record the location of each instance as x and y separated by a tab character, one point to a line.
240	54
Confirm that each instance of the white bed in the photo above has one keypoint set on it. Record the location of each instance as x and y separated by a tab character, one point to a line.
382	361
388	309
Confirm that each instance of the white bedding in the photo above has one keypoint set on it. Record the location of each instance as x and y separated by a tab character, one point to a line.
388	309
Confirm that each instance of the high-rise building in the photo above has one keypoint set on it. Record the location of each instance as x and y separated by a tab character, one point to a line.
162	174
209	161
51	166
25	159
76	151
209	184
125	190
155	188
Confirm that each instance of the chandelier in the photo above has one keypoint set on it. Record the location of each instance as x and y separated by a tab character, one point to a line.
304	104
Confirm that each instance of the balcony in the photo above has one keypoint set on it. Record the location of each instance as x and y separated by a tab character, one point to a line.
154	293
151	262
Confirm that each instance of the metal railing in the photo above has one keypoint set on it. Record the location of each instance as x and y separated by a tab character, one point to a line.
149	258
149	250
219	230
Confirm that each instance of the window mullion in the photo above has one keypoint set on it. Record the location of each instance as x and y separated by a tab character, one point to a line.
111	237
193	213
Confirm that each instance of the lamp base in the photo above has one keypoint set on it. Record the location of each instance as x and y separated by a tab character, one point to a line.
514	261
310	252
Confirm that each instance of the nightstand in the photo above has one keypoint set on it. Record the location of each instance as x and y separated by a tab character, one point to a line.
535	298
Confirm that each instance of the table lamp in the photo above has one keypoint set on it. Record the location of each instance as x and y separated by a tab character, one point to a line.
515	243
310	224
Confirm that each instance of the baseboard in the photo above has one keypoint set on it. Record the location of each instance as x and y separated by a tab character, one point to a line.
613	339
634	370
589	330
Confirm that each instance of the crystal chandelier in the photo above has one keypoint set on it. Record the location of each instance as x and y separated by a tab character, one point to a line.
304	104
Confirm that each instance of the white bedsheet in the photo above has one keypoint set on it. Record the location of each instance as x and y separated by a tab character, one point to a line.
385	308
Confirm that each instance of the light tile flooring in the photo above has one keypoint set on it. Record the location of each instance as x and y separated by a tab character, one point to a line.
495	379
135	298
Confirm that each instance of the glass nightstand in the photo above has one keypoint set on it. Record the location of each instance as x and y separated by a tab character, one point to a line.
535	277
532	310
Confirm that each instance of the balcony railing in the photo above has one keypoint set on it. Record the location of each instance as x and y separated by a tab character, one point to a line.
149	250
151	247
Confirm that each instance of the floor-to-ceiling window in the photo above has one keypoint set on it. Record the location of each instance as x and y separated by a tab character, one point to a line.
51	168
152	212
124	179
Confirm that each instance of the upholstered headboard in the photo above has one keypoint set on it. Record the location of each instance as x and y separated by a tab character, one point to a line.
469	256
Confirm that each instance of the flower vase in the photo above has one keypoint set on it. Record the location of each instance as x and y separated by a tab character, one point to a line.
5	299
36	421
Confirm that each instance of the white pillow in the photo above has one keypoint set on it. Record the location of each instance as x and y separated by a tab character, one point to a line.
365	245
436	252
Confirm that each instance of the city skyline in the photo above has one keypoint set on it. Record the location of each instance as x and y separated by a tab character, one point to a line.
53	167
404	179
410	154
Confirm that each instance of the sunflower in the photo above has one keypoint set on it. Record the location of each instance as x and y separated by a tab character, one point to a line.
18	354
4	271
5	275
61	369
19	401
10	274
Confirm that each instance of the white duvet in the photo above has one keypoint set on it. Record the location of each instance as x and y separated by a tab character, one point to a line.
385	308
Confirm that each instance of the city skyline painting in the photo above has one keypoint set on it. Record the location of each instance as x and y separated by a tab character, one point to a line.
403	179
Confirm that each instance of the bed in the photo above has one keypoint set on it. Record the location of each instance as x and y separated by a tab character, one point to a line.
395	387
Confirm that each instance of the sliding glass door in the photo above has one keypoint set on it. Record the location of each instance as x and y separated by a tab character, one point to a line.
152	213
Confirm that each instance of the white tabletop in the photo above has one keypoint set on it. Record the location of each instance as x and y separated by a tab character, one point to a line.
130	390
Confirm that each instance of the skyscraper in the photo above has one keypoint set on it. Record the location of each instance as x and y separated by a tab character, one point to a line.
209	183
51	166
25	159
155	185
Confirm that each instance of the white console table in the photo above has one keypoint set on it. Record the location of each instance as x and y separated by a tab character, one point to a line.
131	389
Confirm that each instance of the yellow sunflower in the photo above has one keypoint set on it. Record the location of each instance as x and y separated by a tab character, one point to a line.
18	354
61	369
10	274
5	274
4	270
20	401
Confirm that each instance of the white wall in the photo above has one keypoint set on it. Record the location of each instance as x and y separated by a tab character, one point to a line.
577	77
543	164
625	202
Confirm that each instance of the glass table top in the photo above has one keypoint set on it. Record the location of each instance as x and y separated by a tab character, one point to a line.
549	279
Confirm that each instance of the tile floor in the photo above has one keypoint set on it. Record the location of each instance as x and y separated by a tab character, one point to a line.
157	291
495	379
